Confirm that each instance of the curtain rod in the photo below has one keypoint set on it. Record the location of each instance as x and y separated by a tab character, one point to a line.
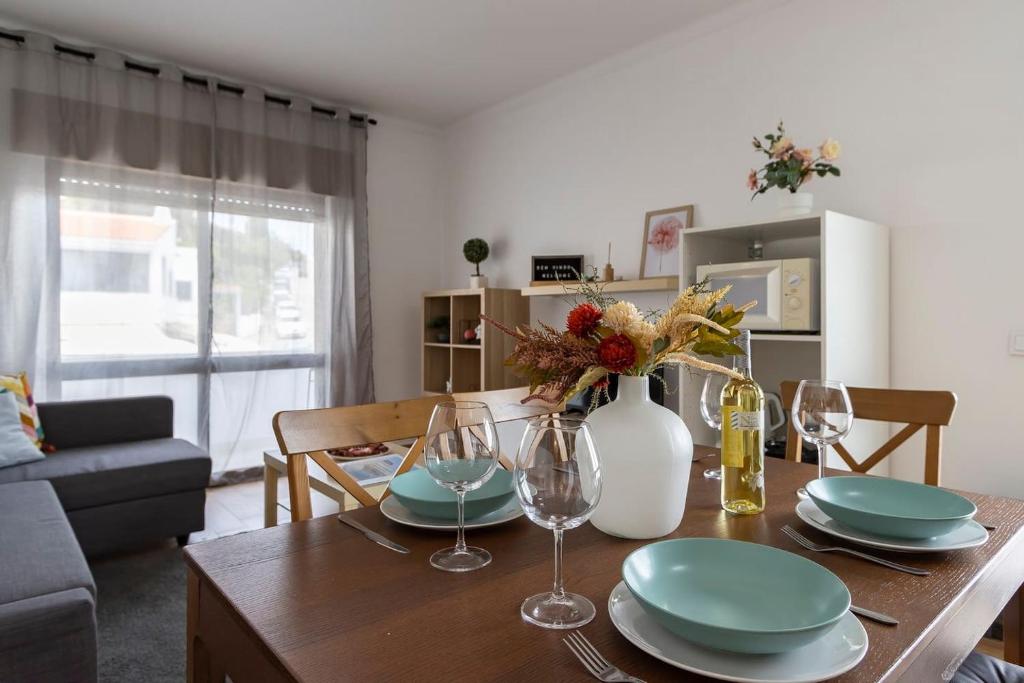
202	81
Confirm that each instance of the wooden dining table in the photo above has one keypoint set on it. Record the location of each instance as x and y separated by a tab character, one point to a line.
317	601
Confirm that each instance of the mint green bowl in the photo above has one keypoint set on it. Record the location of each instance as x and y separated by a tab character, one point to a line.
735	596
890	507
418	493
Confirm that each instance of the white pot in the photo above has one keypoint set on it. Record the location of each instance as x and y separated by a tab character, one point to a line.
794	203
645	452
477	281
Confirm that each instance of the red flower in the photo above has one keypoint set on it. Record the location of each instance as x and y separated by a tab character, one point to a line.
583	320
616	353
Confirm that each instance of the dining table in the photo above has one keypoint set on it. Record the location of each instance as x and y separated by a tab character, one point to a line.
317	601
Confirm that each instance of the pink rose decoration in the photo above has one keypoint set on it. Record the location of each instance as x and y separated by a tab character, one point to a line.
664	235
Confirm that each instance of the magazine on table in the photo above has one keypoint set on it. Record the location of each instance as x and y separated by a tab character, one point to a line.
373	470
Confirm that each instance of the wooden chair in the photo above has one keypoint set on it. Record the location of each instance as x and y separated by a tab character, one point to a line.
310	433
932	410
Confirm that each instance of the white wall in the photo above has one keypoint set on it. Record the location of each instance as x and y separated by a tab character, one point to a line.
927	100
405	188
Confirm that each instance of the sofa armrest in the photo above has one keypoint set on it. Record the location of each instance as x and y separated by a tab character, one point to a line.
49	637
73	424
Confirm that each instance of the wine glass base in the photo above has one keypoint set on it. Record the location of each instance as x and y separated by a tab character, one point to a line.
801	493
713	473
453	560
547	611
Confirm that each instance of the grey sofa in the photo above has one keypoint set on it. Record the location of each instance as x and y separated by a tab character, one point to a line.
47	595
118	473
117	478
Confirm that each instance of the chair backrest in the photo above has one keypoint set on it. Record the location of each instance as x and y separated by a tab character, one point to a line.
932	410
310	433
302	433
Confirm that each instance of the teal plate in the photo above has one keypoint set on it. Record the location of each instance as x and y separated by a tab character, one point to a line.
890	507
418	492
735	596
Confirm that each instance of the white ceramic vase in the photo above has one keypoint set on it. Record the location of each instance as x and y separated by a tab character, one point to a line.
645	452
477	281
798	203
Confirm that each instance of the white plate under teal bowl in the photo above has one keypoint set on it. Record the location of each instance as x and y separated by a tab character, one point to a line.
735	596
835	653
891	507
396	512
970	535
417	491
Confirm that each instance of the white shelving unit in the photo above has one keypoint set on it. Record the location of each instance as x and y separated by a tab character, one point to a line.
853	344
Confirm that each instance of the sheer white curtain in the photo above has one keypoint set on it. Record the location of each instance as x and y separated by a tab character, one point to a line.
165	233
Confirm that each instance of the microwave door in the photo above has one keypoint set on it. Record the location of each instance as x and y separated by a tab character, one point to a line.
760	283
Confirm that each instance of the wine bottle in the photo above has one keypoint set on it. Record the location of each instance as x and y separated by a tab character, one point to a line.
743	438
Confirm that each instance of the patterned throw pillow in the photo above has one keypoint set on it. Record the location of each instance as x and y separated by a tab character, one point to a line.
19	386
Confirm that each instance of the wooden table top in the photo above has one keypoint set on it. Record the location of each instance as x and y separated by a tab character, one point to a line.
330	605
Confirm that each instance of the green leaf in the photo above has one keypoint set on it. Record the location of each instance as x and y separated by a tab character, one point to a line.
660	344
833	170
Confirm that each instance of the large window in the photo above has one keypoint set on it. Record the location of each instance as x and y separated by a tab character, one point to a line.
218	303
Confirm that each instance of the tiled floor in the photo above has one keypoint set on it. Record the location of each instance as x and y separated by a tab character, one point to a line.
239	507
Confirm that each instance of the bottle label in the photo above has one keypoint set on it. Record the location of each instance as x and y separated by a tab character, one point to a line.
735	425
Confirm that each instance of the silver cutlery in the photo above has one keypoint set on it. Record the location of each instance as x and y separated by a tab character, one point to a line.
373	535
599	667
874	616
818	548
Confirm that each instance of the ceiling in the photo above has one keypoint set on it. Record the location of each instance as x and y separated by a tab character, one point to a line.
432	61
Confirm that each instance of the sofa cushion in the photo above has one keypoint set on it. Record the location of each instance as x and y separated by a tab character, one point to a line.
40	554
15	446
113	473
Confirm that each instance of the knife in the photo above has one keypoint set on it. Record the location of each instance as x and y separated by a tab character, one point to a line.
874	616
374	536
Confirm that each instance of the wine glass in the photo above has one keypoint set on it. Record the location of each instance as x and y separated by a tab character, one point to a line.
558	481
823	415
461	453
711	410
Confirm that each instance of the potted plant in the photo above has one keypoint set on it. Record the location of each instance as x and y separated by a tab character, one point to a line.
439	324
476	252
789	168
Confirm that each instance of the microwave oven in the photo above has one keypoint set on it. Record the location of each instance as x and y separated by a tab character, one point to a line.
786	291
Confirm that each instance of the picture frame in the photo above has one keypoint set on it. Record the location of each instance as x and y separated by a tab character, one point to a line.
659	252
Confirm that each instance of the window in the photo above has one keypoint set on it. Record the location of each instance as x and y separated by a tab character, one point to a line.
224	314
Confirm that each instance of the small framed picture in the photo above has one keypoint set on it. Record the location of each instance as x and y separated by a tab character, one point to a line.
660	254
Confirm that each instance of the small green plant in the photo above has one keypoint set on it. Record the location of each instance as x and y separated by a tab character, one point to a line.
476	252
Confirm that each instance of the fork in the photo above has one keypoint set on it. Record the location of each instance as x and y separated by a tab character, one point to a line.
818	548
599	667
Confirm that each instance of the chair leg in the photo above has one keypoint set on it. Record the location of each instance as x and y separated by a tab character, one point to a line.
182	540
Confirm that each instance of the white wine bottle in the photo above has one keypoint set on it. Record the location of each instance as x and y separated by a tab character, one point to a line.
743	438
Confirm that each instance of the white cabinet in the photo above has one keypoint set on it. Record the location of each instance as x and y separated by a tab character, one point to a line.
853	343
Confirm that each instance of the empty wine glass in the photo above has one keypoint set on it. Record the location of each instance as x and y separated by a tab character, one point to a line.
711	410
461	453
823	415
558	481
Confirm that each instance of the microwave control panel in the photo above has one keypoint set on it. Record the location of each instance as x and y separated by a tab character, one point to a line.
800	294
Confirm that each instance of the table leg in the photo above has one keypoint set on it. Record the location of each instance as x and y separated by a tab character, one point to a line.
199	666
1013	628
270	477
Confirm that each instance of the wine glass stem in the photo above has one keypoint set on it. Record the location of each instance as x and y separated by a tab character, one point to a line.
460	544
821	460
559	590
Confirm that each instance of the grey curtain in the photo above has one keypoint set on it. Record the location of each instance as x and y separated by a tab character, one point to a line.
165	232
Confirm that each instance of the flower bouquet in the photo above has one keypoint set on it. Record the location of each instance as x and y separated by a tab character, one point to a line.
788	167
605	336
